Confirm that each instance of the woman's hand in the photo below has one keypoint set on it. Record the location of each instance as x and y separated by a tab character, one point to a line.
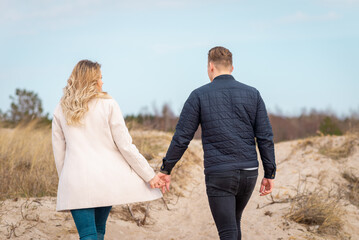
156	182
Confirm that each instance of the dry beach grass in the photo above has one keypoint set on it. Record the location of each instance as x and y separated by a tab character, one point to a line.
26	162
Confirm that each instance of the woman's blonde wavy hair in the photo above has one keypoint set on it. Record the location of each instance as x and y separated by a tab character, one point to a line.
80	89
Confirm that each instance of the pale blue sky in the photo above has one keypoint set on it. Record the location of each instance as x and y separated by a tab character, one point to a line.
296	53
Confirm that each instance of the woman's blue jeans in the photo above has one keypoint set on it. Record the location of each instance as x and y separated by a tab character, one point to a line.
91	222
228	194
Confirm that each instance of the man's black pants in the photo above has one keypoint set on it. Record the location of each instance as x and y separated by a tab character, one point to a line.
228	194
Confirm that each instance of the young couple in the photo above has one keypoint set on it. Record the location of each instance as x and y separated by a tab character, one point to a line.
99	166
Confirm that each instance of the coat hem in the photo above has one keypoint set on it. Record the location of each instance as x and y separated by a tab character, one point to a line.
67	209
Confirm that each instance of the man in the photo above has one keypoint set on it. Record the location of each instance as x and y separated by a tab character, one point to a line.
232	116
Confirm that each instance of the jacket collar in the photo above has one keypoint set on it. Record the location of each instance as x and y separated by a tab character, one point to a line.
223	77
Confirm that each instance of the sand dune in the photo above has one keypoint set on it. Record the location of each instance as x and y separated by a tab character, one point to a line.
310	164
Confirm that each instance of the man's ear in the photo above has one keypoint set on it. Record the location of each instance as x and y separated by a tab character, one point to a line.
211	66
232	69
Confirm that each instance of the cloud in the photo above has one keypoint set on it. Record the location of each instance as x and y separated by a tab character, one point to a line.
14	11
303	17
182	3
340	2
19	10
20	18
296	18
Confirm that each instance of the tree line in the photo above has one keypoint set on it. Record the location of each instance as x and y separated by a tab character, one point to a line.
26	106
284	128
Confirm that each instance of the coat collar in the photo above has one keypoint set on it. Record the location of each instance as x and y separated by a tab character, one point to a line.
223	77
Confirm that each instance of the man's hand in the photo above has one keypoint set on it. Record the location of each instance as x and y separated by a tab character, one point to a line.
156	182
166	179
266	186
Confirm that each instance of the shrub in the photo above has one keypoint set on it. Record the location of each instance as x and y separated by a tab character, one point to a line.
342	151
329	127
318	210
353	193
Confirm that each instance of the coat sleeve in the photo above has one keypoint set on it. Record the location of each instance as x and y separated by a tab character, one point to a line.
187	125
58	144
123	141
264	135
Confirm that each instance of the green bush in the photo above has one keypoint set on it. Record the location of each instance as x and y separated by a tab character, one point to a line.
329	127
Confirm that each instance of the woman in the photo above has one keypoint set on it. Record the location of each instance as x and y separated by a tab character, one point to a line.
97	164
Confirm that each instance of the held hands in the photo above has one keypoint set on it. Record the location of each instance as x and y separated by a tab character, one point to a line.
161	181
156	182
266	186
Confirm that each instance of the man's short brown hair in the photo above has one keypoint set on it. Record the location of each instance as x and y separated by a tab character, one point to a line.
221	57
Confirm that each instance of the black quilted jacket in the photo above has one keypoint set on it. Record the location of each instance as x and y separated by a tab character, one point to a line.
232	115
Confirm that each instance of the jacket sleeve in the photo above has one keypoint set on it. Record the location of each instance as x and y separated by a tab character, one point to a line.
58	144
123	141
264	135
186	127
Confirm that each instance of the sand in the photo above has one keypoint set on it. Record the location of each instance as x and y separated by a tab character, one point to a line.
189	215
